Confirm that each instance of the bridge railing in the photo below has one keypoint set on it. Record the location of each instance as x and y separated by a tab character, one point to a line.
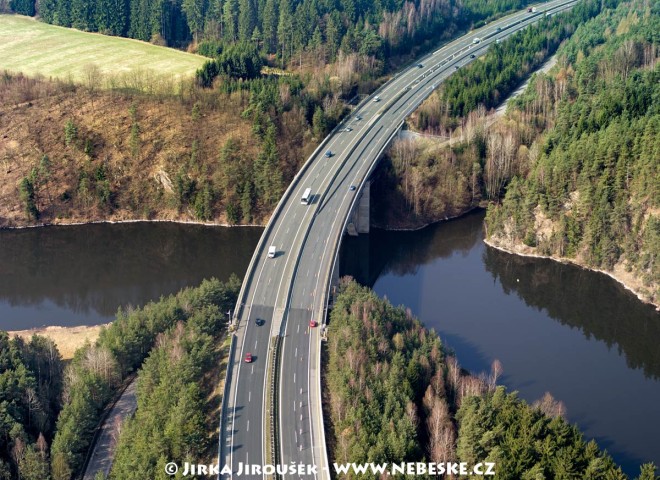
225	395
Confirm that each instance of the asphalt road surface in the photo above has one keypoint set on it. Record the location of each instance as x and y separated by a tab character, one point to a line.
283	294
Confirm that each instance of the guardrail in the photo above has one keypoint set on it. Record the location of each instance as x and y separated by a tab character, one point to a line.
296	180
225	396
272	405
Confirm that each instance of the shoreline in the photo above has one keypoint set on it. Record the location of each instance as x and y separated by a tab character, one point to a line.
139	220
569	261
422	227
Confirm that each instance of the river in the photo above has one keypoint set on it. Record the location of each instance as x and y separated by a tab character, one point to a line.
557	328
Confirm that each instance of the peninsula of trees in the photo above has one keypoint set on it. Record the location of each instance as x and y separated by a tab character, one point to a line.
395	394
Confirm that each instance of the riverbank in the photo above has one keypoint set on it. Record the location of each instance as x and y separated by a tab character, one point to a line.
67	339
65	223
619	273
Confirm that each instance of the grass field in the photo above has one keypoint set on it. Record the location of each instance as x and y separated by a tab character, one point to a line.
33	47
67	339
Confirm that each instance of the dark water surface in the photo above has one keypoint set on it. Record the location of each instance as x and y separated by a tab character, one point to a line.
554	327
80	275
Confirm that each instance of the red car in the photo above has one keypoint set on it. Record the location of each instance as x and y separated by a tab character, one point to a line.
312	323
248	357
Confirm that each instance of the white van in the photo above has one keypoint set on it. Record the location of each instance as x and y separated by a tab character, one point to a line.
272	250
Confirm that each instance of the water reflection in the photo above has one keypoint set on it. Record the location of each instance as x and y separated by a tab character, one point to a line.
82	274
578	298
557	328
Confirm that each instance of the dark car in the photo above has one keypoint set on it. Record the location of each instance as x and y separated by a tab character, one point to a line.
328	154
472	56
260	322
419	65
352	188
456	67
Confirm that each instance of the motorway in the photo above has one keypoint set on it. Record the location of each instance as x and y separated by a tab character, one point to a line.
281	295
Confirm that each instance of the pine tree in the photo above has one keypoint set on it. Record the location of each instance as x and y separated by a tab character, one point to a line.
229	20
285	30
270	18
195	11
246	20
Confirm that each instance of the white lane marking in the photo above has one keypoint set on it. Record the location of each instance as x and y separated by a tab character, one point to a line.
255	344
298	331
294	377
367	112
250	396
248	426
296	354
252	369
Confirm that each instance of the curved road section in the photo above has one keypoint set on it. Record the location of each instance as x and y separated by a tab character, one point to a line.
285	292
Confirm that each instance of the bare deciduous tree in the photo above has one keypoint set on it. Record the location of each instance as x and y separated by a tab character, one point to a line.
550	407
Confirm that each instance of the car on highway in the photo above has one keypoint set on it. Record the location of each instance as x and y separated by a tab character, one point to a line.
313	323
358	117
272	251
419	65
260	322
456	67
348	129
499	29
472	55
352	188
248	357
376	99
328	154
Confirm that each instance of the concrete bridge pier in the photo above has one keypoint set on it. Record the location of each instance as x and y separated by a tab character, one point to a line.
359	219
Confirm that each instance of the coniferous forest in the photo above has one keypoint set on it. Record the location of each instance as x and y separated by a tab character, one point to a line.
396	395
49	412
284	28
592	190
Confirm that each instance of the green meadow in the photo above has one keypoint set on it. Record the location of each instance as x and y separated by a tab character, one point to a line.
33	47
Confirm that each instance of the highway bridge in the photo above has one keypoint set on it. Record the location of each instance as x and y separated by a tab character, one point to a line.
271	409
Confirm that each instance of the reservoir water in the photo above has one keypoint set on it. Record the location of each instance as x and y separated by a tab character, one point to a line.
80	275
556	328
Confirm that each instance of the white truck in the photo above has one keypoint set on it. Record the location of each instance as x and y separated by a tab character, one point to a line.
272	251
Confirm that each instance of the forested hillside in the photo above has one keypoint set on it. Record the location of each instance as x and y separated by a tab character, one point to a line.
423	181
178	399
395	395
30	399
48	413
591	191
73	153
93	377
290	30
